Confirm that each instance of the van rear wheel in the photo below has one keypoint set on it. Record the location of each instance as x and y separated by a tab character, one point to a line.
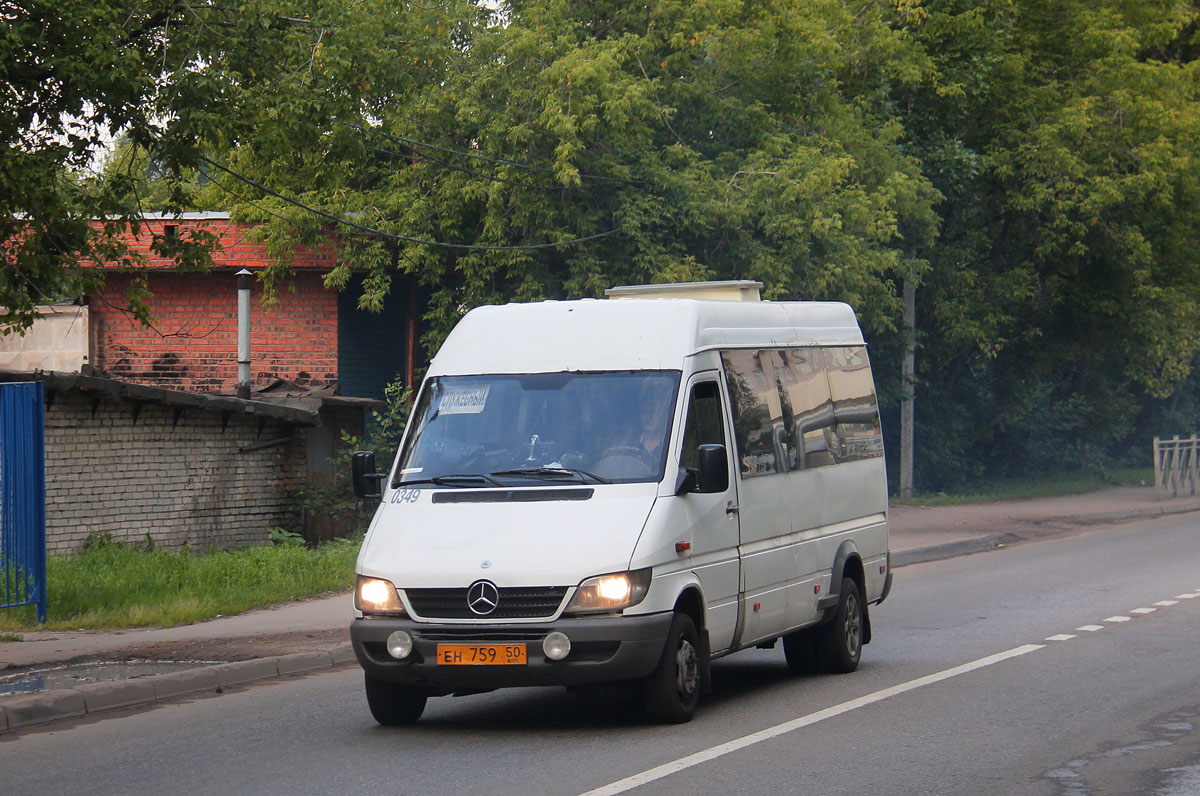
839	642
394	704
672	692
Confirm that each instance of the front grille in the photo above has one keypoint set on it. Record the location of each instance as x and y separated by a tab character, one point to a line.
514	603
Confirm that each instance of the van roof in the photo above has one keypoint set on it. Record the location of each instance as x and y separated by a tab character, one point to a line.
647	334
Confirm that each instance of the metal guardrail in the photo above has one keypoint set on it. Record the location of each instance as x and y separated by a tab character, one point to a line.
1177	466
22	497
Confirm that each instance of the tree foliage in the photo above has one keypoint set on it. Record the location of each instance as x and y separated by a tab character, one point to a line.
73	72
1031	167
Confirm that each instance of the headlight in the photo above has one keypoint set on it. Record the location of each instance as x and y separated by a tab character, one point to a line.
609	593
376	596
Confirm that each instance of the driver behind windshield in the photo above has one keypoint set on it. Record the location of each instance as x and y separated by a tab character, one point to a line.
612	425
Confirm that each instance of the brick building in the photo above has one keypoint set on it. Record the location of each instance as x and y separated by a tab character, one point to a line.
144	436
313	336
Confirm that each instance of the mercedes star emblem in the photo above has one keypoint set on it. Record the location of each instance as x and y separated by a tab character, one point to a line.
483	597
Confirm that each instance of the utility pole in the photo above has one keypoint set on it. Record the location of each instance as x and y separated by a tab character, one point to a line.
907	389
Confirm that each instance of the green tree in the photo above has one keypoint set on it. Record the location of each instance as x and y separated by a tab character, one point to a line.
698	140
1061	306
73	73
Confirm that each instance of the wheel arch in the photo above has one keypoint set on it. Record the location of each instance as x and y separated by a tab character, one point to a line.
847	563
691	602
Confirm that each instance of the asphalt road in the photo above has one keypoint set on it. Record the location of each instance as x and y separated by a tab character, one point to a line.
1065	667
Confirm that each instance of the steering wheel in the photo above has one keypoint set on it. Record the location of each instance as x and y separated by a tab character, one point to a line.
624	461
631	451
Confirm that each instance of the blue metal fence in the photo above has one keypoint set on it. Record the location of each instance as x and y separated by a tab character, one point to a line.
22	497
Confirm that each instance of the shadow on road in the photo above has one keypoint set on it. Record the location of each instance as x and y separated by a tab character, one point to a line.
615	706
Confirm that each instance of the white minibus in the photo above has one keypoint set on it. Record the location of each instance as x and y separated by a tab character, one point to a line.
623	490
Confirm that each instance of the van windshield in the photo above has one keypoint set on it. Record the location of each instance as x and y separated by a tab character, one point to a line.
607	427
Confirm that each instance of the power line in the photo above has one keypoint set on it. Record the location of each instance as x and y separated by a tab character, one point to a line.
391	235
414	143
416	152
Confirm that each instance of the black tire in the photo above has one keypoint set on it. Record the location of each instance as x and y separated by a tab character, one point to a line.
672	692
800	650
394	704
839	641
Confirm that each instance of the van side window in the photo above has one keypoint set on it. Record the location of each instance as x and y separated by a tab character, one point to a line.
754	398
854	405
806	389
703	425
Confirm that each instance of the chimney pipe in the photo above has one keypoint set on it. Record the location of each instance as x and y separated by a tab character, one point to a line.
244	280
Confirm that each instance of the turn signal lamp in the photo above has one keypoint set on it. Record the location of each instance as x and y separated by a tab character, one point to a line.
610	593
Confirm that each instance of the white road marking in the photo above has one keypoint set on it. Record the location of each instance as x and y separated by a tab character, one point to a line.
1061	637
1091	628
1186	596
1119	619
712	753
1167	603
1143	610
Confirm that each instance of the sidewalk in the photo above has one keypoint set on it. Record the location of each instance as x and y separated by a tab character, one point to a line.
918	534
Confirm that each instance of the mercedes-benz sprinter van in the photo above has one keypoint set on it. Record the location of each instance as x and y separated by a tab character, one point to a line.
617	490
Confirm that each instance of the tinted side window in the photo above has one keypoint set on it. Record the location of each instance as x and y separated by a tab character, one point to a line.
757	411
854	405
703	424
805	388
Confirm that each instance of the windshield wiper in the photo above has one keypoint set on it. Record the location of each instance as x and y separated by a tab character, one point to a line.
555	473
454	479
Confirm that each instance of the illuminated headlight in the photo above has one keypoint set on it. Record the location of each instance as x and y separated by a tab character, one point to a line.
376	596
609	593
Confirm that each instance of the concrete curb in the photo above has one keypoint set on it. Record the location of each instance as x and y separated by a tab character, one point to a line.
940	552
963	547
21	712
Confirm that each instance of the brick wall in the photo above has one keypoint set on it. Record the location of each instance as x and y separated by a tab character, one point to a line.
193	342
235	250
180	482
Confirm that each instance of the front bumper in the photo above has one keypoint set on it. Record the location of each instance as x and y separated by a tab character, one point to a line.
604	649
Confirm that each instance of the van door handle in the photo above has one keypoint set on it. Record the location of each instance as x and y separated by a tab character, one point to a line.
731	508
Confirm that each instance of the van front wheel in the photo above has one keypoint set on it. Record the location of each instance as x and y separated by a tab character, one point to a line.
839	642
673	690
394	704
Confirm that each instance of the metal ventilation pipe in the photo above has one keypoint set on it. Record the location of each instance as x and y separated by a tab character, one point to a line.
245	279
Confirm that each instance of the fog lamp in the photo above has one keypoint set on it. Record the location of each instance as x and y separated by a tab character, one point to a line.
556	645
399	644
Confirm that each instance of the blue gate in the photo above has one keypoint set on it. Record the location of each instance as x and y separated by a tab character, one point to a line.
22	497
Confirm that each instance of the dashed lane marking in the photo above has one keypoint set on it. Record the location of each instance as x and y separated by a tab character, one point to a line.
714	752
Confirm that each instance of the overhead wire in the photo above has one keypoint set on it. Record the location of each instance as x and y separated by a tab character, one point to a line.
373	231
412	142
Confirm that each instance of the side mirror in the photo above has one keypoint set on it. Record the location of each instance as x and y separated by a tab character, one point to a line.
365	480
713	469
686	481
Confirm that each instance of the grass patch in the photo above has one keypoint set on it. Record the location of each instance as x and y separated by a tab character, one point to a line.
111	585
11	637
1030	488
